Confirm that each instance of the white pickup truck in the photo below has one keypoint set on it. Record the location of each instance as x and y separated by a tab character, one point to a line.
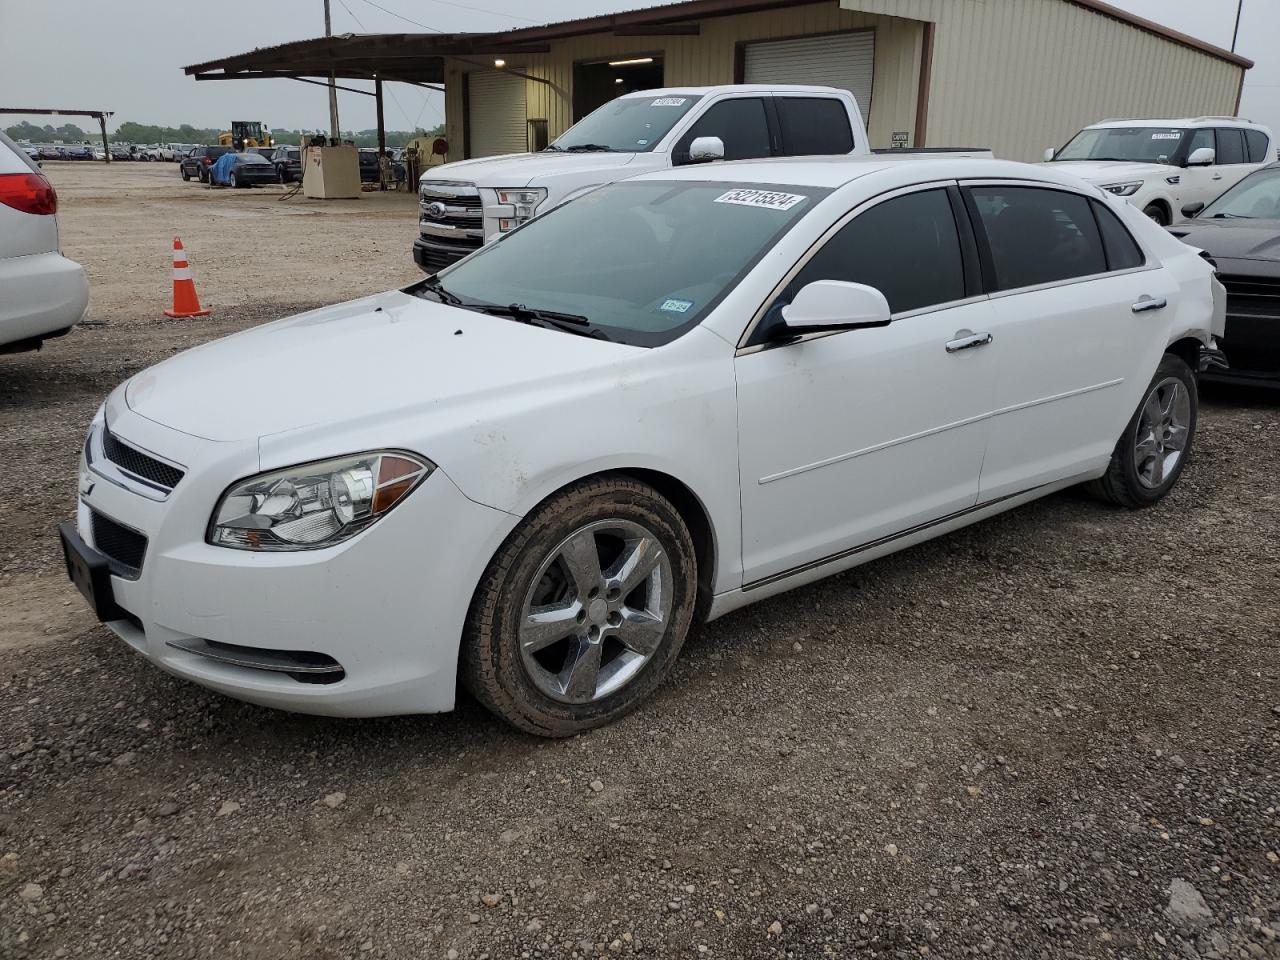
467	204
1164	166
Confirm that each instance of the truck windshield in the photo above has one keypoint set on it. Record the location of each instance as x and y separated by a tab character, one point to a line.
1135	144
1256	197
642	262
626	125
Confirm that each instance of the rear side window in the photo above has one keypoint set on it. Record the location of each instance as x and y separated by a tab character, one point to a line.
1123	252
1256	141
1230	145
1037	236
908	248
812	126
739	123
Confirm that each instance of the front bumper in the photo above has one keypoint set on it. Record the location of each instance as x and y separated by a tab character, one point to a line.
389	606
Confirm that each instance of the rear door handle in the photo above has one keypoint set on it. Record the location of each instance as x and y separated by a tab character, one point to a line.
1146	304
969	342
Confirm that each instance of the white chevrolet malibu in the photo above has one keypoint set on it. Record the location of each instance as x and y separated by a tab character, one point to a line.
670	398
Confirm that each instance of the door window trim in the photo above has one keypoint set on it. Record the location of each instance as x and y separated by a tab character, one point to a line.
984	247
745	346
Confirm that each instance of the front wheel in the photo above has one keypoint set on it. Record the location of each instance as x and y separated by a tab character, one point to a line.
1153	450
185	175
583	611
1157	213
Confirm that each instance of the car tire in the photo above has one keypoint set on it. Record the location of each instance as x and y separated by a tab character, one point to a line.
1157	442
1157	213
185	175
596	652
235	181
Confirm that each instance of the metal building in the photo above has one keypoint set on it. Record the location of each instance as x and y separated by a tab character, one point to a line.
1013	75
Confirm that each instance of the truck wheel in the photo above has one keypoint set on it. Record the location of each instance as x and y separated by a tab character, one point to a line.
583	610
1153	450
1157	213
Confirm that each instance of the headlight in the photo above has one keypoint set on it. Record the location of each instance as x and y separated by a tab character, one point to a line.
315	505
523	201
1123	189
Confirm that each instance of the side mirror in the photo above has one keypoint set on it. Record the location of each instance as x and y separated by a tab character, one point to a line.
1203	157
1192	209
705	149
828	305
1049	154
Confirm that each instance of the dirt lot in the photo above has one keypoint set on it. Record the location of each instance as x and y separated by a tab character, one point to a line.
1056	734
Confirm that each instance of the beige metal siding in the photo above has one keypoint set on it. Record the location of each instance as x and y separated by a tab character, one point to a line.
710	59
1022	75
842	60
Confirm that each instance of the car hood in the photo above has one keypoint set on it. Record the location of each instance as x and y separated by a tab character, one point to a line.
1113	171
384	356
526	169
1232	239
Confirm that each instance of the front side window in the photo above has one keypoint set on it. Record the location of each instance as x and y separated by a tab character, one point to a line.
739	123
626	125
1230	145
642	261
813	126
908	248
1036	235
1202	138
1129	144
1256	197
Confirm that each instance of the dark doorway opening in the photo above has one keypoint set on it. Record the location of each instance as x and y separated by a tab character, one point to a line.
595	84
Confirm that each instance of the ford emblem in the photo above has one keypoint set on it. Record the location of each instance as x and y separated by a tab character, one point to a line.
435	210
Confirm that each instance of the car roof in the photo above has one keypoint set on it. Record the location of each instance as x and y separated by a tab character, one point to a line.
1184	122
739	88
836	171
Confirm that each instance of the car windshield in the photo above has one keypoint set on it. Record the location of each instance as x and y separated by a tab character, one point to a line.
254	159
626	125
1135	144
638	262
1256	197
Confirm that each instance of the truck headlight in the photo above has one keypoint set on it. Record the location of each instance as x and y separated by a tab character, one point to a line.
315	505
1123	189
522	201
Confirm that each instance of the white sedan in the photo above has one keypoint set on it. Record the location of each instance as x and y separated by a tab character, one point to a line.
42	293
670	398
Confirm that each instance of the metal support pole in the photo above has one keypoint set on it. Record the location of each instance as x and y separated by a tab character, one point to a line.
106	150
1236	35
382	133
334	130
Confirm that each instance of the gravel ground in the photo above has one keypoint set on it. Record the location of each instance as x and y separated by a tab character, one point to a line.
1054	734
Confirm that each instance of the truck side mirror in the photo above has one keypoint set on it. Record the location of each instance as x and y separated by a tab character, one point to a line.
1204	157
1049	154
1192	210
705	149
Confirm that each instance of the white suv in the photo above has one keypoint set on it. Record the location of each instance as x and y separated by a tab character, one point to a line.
1161	166
44	293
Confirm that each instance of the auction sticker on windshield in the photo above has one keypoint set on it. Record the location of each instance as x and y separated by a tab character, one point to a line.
669	102
761	198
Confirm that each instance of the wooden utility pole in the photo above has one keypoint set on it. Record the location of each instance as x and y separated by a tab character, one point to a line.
334	131
106	147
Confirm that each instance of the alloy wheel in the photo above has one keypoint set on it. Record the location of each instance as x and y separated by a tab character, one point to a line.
597	612
1163	427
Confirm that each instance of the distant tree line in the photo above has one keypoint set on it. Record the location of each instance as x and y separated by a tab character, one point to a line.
130	132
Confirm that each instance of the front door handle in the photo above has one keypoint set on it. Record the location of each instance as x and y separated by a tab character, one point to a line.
969	342
1217	176
1146	304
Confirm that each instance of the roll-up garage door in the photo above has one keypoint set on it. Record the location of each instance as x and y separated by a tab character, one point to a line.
496	113
844	60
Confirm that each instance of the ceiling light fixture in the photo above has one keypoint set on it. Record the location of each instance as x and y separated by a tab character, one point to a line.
630	63
499	64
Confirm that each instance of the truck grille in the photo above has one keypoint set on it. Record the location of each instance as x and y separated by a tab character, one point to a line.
141	465
1252	338
125	548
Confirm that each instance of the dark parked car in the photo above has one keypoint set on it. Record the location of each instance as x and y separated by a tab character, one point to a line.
1241	232
79	153
288	163
51	153
368	165
198	161
242	170
120	153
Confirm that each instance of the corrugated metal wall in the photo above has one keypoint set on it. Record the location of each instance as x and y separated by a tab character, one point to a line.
709	59
1022	75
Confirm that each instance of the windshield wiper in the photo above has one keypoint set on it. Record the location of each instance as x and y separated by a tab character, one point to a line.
432	283
1230	216
590	148
553	148
550	319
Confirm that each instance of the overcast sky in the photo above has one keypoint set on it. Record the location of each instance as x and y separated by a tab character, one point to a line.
126	55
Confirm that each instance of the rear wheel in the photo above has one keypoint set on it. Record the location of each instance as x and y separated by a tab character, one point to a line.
1157	213
583	610
1153	450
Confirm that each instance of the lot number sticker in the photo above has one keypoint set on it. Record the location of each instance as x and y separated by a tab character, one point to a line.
1166	136
668	102
761	198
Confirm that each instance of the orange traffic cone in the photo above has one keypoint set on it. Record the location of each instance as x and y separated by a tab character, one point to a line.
185	301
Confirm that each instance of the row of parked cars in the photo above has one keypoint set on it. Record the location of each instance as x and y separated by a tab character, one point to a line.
90	151
260	165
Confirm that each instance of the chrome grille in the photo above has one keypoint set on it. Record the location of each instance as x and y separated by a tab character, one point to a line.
1252	338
